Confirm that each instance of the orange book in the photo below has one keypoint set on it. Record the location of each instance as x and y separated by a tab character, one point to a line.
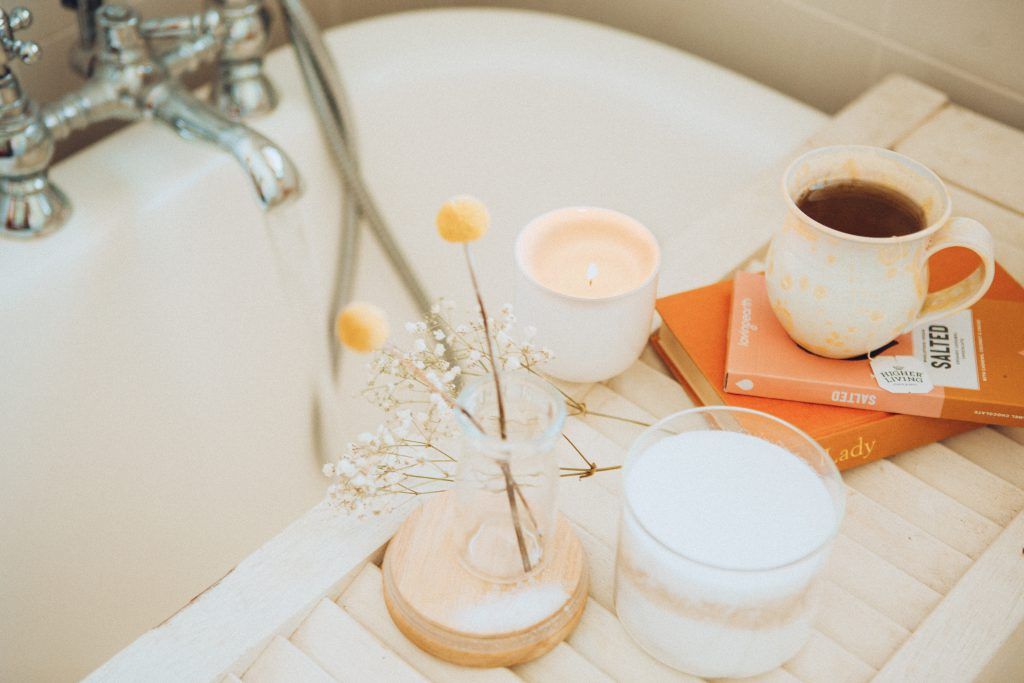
967	366
693	340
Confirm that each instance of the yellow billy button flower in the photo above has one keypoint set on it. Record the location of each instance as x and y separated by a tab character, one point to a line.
362	327
462	219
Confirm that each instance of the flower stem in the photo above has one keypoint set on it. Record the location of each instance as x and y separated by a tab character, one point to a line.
424	476
510	485
452	403
639	423
583	474
510	492
502	427
590	465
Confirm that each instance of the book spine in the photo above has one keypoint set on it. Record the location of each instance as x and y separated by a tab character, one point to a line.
832	394
958	408
935	404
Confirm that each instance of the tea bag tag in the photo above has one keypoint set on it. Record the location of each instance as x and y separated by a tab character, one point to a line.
901	374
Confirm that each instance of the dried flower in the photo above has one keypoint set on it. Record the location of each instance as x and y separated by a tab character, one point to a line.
362	327
462	219
410	452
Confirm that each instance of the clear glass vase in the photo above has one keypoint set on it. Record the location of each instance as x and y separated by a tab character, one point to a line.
507	488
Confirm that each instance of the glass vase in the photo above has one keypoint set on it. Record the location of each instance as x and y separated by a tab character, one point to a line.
507	488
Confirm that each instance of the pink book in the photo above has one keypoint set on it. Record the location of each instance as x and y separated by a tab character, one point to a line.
969	366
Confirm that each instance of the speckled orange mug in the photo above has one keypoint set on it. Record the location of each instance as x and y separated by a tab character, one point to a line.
841	295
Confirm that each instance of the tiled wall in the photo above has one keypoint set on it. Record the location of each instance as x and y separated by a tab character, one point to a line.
824	52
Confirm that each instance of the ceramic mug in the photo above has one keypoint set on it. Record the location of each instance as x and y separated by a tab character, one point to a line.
841	295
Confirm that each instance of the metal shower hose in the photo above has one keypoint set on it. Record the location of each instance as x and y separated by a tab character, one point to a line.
328	97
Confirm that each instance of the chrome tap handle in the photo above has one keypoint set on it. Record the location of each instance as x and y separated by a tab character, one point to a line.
240	88
26	51
184	27
30	205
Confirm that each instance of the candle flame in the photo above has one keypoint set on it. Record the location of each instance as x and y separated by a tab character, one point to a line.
591	273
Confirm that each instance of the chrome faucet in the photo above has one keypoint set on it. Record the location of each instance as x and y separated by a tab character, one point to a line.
235	33
129	79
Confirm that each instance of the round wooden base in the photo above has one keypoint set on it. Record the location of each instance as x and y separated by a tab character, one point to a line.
457	616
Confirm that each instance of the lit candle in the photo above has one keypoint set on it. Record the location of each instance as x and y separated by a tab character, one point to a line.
586	278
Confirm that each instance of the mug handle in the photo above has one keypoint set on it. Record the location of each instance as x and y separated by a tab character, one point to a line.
970	234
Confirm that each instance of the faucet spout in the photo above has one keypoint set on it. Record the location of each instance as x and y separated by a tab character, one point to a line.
271	172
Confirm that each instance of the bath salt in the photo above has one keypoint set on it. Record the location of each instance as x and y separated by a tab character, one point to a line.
718	551
511	610
730	499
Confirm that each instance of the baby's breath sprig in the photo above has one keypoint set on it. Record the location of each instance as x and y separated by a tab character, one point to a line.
417	389
412	453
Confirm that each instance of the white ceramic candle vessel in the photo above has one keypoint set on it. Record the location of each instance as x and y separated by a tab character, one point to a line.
587	279
728	518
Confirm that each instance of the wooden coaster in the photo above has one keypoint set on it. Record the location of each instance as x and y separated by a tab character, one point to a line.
455	615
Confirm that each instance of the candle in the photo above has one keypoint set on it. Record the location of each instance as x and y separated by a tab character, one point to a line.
722	534
586	278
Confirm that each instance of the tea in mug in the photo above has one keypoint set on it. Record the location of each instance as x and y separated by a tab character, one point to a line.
862	208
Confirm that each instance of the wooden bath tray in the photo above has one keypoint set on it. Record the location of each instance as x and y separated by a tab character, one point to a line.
927	577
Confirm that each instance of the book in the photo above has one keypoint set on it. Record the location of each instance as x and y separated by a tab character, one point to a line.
692	341
967	366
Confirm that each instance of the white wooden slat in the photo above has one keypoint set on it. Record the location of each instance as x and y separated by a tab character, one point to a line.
282	662
651	359
964	481
883	115
601	399
860	629
591	507
1006	226
956	640
650	390
560	665
880	584
601	565
601	638
775	676
949	521
364	600
993	451
347	651
888	535
267	594
822	660
1013	433
972	151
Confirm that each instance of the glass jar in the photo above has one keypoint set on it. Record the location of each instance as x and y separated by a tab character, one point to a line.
728	518
506	488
